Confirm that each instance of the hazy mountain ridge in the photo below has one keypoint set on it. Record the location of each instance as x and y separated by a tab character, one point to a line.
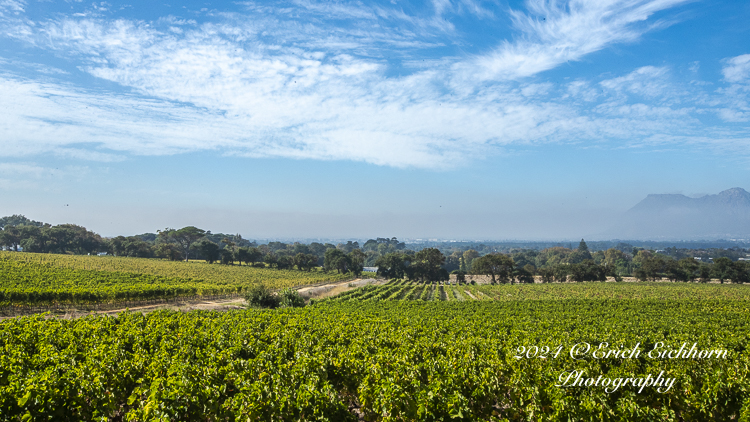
735	199
725	215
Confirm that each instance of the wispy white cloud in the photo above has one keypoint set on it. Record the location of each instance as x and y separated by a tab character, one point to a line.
441	6
36	67
48	117
474	7
581	90
737	69
338	10
11	6
556	32
647	81
276	88
734	115
732	105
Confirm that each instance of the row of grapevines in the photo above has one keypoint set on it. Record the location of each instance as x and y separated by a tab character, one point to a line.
386	361
398	294
597	291
24	283
195	270
33	284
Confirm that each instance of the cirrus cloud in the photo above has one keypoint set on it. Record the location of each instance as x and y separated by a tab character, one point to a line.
270	85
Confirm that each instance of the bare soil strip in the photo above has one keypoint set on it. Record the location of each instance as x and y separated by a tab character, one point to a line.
214	305
333	289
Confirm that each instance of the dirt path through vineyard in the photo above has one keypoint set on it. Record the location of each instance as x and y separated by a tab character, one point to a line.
205	305
315	292
238	303
333	289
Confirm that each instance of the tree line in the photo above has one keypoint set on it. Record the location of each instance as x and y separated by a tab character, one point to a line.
391	256
558	264
18	232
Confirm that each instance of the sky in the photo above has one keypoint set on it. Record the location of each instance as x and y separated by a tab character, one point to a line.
449	119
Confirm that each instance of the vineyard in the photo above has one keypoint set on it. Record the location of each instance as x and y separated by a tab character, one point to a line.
400	290
390	361
61	280
210	273
399	351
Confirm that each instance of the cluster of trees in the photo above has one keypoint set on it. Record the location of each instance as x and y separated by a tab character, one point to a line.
562	264
392	257
200	244
34	236
676	249
425	265
338	260
612	253
656	266
18	232
429	264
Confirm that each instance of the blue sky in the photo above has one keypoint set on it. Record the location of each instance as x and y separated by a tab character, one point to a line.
440	119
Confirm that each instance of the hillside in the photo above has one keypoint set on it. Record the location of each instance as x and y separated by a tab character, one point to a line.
668	216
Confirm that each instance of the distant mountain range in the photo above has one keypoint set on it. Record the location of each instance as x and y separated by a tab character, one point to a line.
678	217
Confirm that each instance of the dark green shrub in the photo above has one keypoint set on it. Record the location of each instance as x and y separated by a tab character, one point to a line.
290	298
260	296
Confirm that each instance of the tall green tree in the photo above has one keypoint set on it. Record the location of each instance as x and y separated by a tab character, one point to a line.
722	269
392	265
587	271
10	237
525	273
18	220
210	251
652	266
348	246
336	259
427	264
133	246
468	257
497	265
690	268
581	254
741	272
305	262
33	239
242	255
285	262
227	256
271	259
547	274
184	237
357	261
168	251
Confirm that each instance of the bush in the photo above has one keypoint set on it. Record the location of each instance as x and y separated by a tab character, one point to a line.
260	296
290	298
